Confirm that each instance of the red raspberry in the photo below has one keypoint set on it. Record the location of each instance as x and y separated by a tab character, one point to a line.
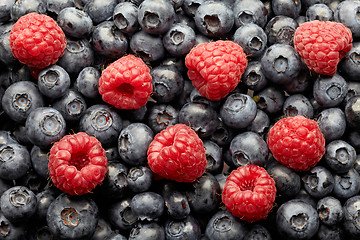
177	153
37	40
126	83
322	45
77	163
297	142
215	68
249	193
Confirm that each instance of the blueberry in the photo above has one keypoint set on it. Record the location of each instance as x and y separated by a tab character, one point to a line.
149	47
121	215
330	210
39	161
74	22
346	13
320	12
32	181
350	63
139	179
103	230
223	225
20	135
298	104
55	6
188	228
12	231
250	11
23	7
108	40
183	18
352	112
161	116
260	124
238	106
346	184
116	236
179	39
156	17
318	182
270	99
281	29
340	156
125	17
190	6
14	161
6	55
72	105
296	219
45	125
100	10
7	137
288	8
213	154
20	99
222	135
5	7
351	216
202	118
71	217
40	231
87	82
214	18
18	204
147	206
353	89
330	232
102	122
332	123
253	76
195	96
44	199
147	231
256	232
305	196
53	81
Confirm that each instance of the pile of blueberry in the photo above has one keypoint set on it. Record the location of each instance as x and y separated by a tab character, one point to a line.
40	106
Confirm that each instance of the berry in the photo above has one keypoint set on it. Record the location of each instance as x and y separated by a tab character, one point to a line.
147	206
296	142
318	182
215	68
74	22
125	17
322	45
187	228
330	210
77	163
37	40
177	153
249	193
126	83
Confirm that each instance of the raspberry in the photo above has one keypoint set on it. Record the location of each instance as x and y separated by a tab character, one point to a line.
249	193
126	83
215	68
322	45
77	163
177	153
297	142
37	40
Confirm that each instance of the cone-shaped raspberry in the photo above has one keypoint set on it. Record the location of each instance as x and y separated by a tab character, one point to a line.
322	45
215	68
77	163
37	40
297	142
249	193
177	153
126	83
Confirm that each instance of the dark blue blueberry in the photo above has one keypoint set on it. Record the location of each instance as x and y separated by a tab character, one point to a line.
350	63
33	181
298	104
182	17
204	194
20	99
14	161
100	10
223	225
188	228
250	11
6	55
147	206
346	184
161	116
87	82
214	160
136	115
202	118
195	96
281	63
39	231
139	179
116	236
5	7
39	161
214	18
287	8
340	156
252	38
351	222
254	77
120	214
147	231
156	17
332	123
270	99
238	110
353	137
78	55
16	73
330	232
167	83
72	105
287	181
179	39
318	182
112	154
149	47
44	126
330	91
190	6
352	112
281	29
133	142
102	122
221	178
296	219
109	41
55	6
260	124
353	89
248	148
305	196
199	38
53	81
12	231
44	199
320	12
103	230
125	17
347	13
75	22
7	137
72	217
23	7
18	204
330	210
258	232
222	135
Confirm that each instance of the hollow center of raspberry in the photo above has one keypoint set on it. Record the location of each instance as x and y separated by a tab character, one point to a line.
125	88
79	160
247	185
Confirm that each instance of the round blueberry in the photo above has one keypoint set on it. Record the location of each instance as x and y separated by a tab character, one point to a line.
320	12
300	83
147	205
5	10
125	17
87	82
288	8
149	47
346	184
351	216
330	210
161	116
72	105
12	231
179	39
55	6
340	156
250	11
14	161
347	13
103	230
332	123
176	203
188	228
253	76
298	104
281	29
39	161
213	154
53	81
350	63
23	7
75	22
139	179
352	112
190	6
44	199
318	182
121	215
258	232
330	232
147	231
260	124
270	99
100	10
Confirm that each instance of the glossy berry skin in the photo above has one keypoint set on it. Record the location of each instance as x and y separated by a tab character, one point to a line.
126	83
139	179
74	22
177	153
318	182
281	29
250	11
258	231
179	39
13	231
249	193
328	44
147	231
296	142
351	212
147	206
215	68
125	17
87	82
99	10
345	13
115	184
298	104
188	228
14	161
340	156
332	123
352	112
53	81
77	163
120	214
36	40
346	184
319	11
330	210
161	116
72	105
176	202
148	46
